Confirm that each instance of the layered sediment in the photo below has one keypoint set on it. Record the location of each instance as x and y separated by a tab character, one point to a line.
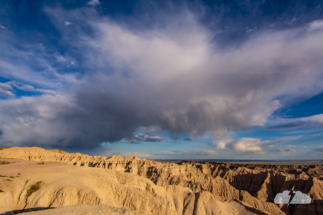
193	187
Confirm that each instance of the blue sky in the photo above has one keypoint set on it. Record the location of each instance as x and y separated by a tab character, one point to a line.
163	79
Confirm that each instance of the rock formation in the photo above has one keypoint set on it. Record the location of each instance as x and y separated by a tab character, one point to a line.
153	187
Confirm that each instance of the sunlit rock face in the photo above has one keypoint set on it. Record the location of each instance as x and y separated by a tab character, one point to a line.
186	188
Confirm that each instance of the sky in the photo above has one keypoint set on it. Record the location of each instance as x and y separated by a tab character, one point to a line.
238	79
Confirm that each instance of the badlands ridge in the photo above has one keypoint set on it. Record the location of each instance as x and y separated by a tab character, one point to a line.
56	182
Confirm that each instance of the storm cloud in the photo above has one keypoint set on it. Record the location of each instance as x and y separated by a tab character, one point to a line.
171	76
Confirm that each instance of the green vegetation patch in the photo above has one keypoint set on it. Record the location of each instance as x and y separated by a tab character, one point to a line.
3	176
42	163
4	162
33	189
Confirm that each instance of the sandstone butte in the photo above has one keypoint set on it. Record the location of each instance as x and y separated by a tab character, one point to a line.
74	183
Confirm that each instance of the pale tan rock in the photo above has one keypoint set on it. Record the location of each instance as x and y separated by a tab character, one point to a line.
85	210
255	185
64	185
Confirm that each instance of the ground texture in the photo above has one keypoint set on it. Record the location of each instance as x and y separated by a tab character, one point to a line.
67	183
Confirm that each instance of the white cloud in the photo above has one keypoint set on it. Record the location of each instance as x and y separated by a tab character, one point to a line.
5	90
248	145
252	145
314	118
249	30
195	144
46	91
213	93
294	146
285	151
68	23
193	152
21	86
1	26
294	123
60	58
20	67
138	138
37	120
94	2
316	25
290	146
174	78
26	88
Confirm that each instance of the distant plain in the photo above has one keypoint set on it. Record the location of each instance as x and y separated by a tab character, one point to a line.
256	162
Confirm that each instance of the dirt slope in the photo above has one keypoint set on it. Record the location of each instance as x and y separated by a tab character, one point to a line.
190	185
110	191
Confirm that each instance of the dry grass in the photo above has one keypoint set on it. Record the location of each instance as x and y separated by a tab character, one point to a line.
33	189
4	162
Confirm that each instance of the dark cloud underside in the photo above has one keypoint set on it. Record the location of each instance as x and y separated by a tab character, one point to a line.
102	78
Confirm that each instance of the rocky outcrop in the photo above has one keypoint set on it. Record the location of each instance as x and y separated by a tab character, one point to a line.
107	191
255	185
85	210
